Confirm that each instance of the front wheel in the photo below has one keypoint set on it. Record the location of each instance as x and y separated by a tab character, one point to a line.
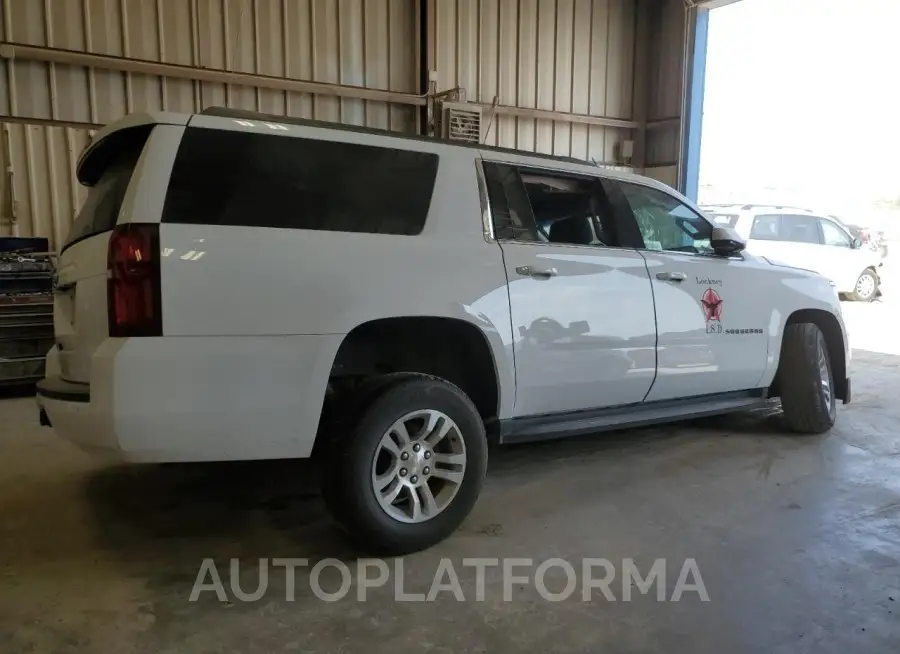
409	471
807	382
866	286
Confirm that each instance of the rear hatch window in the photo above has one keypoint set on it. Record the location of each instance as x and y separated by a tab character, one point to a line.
108	170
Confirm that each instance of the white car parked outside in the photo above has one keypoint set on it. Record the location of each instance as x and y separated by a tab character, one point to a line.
808	240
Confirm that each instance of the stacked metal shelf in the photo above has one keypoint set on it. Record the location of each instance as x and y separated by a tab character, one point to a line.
26	309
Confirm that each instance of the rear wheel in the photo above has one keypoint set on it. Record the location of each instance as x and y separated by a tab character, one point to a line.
807	382
866	286
409	470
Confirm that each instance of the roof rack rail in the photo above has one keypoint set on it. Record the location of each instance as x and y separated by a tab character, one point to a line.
244	114
770	205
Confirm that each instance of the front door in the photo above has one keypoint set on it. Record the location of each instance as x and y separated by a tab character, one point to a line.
840	260
582	313
711	314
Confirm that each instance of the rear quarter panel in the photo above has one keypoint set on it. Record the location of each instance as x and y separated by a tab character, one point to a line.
265	282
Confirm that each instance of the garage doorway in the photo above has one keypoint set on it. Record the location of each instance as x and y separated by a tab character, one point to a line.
793	91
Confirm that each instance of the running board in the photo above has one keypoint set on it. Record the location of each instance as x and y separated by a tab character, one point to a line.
574	423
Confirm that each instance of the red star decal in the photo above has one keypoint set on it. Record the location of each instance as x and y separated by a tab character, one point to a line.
712	305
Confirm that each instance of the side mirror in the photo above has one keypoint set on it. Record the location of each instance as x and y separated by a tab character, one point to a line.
856	244
725	241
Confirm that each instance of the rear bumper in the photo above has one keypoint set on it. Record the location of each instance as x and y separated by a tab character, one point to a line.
194	398
57	388
73	418
67	407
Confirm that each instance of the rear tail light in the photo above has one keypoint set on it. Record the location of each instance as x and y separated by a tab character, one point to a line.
133	286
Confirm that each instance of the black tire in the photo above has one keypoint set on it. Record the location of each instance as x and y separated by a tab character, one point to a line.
347	485
807	407
856	296
342	415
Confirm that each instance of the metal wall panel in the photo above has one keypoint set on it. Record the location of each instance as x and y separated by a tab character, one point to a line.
665	174
369	43
666	83
39	195
562	55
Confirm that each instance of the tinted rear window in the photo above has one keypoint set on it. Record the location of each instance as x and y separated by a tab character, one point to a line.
240	178
767	227
109	168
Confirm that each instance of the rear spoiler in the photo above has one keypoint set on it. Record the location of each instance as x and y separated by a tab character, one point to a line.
87	170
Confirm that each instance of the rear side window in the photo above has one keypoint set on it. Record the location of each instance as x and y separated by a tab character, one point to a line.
510	207
240	178
108	169
800	229
570	210
766	227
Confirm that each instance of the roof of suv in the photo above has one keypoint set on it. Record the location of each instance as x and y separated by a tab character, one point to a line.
151	117
754	207
226	112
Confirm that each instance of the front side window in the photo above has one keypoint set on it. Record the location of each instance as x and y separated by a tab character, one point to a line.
800	229
834	235
666	223
223	177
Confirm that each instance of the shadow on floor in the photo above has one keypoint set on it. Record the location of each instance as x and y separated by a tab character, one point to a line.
216	505
273	508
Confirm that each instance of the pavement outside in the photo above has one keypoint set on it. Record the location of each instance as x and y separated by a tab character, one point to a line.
797	539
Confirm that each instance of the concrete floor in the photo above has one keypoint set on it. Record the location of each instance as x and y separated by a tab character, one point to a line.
797	540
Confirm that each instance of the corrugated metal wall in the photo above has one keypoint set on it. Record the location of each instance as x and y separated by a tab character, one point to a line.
589	57
38	192
666	84
368	43
562	55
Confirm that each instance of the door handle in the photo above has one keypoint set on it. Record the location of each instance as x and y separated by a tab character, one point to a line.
529	271
671	276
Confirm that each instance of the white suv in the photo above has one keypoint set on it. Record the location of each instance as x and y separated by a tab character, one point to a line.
805	239
240	286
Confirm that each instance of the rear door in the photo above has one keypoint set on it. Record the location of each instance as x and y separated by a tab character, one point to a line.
581	304
110	167
791	239
711	313
802	242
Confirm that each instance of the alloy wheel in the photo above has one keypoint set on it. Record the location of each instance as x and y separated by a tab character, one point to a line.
419	465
